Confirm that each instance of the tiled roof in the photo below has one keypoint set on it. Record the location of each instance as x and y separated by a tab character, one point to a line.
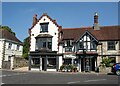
7	35
105	33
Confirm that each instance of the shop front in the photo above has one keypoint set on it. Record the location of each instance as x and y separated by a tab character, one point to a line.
87	63
44	61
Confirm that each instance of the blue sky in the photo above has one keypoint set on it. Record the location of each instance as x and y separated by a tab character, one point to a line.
19	15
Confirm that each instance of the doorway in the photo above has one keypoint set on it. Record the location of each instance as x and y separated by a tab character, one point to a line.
88	64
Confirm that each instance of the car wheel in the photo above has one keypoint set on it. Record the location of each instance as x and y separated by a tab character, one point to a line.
118	72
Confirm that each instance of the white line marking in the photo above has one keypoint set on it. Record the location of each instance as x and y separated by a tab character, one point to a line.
95	80
87	81
2	83
73	82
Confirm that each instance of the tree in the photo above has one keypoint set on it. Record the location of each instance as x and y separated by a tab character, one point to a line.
26	45
7	28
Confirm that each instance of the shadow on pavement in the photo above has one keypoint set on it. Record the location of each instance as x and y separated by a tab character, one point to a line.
111	74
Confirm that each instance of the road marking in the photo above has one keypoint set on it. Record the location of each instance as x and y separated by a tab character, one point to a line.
95	80
12	74
73	82
2	83
87	81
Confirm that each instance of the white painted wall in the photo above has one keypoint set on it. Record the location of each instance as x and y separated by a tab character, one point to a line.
1	52
8	52
52	29
60	61
13	50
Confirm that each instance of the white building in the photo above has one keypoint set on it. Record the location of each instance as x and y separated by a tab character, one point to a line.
85	47
10	47
44	39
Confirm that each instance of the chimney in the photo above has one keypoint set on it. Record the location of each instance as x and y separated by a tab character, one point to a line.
35	19
96	26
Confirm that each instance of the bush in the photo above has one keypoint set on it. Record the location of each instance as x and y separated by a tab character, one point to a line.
68	67
107	62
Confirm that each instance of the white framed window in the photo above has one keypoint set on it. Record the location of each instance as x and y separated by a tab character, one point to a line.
18	47
111	45
10	46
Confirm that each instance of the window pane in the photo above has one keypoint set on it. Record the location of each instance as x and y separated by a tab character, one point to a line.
10	46
111	45
44	44
44	27
81	45
49	45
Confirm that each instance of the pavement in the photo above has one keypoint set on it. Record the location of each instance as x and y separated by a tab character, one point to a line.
25	69
21	69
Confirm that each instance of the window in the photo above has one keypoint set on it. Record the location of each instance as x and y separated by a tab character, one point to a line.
44	44
51	63
35	63
68	49
9	45
111	45
44	27
81	45
69	43
93	45
67	61
49	45
18	47
112	59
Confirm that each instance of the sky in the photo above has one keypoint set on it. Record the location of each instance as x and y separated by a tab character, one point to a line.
19	15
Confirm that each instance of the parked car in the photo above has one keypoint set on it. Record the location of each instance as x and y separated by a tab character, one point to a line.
116	68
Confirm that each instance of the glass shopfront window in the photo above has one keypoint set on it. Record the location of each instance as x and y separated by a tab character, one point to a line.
51	63
35	63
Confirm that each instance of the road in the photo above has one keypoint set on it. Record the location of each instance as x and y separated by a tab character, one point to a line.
15	77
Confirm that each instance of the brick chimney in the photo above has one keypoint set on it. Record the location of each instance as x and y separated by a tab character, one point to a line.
35	19
96	26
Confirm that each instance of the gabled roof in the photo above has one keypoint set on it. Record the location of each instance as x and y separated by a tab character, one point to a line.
105	33
7	35
45	14
89	35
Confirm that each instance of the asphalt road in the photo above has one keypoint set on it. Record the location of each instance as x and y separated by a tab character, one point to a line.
12	77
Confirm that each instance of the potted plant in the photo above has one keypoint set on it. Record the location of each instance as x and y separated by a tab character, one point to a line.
75	69
70	67
62	68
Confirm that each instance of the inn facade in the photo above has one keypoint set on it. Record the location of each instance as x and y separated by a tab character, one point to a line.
52	46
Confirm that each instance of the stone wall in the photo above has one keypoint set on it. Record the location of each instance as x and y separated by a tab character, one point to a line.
105	70
20	62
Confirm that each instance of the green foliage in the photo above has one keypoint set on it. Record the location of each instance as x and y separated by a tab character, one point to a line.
68	67
107	62
26	46
7	28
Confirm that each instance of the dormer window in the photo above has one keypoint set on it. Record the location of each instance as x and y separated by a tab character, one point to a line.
44	27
